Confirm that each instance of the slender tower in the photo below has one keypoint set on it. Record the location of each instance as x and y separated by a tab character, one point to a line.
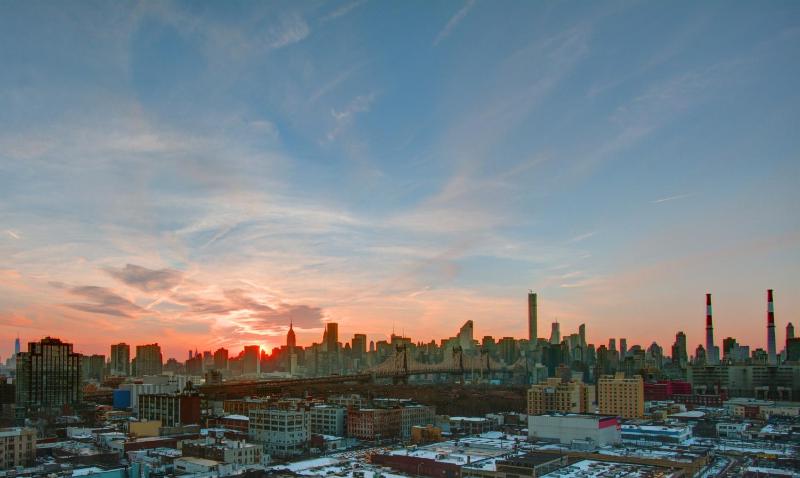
711	359
532	332
772	358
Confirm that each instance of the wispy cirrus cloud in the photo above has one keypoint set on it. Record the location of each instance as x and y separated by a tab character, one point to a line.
672	198
454	21
343	10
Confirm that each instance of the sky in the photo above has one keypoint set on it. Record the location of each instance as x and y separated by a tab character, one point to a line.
201	174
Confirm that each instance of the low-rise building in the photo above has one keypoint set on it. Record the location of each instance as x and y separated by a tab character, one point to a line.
655	434
172	409
567	428
374	423
242	406
328	420
239	423
425	434
234	452
471	425
415	415
191	464
283	430
732	430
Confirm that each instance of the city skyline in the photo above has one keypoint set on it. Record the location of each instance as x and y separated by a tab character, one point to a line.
202	174
317	337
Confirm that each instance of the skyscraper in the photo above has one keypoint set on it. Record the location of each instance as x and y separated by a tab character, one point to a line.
121	360
221	359
332	336
291	339
623	347
16	346
555	334
359	346
712	352
148	360
772	357
48	375
465	335
532	317
679	353
251	363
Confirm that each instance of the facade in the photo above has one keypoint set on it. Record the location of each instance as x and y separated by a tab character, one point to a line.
48	375
149	360
328	420
283	432
172	409
121	360
621	396
556	395
566	428
374	423
17	447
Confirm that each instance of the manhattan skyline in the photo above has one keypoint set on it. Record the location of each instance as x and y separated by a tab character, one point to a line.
200	175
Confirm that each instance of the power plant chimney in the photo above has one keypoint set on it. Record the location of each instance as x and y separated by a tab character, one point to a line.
772	357
712	358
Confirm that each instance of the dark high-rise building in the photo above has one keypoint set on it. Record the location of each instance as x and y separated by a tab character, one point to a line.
793	350
507	350
148	360
332	336
359	346
48	375
712	352
291	338
533	333
93	367
679	354
251	362
221	359
121	360
772	350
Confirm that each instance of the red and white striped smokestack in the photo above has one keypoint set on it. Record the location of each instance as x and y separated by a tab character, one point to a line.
711	357
772	355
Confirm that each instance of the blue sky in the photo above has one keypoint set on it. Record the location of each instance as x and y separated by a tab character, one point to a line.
204	172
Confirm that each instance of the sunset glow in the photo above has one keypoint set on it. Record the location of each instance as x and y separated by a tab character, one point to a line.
171	172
